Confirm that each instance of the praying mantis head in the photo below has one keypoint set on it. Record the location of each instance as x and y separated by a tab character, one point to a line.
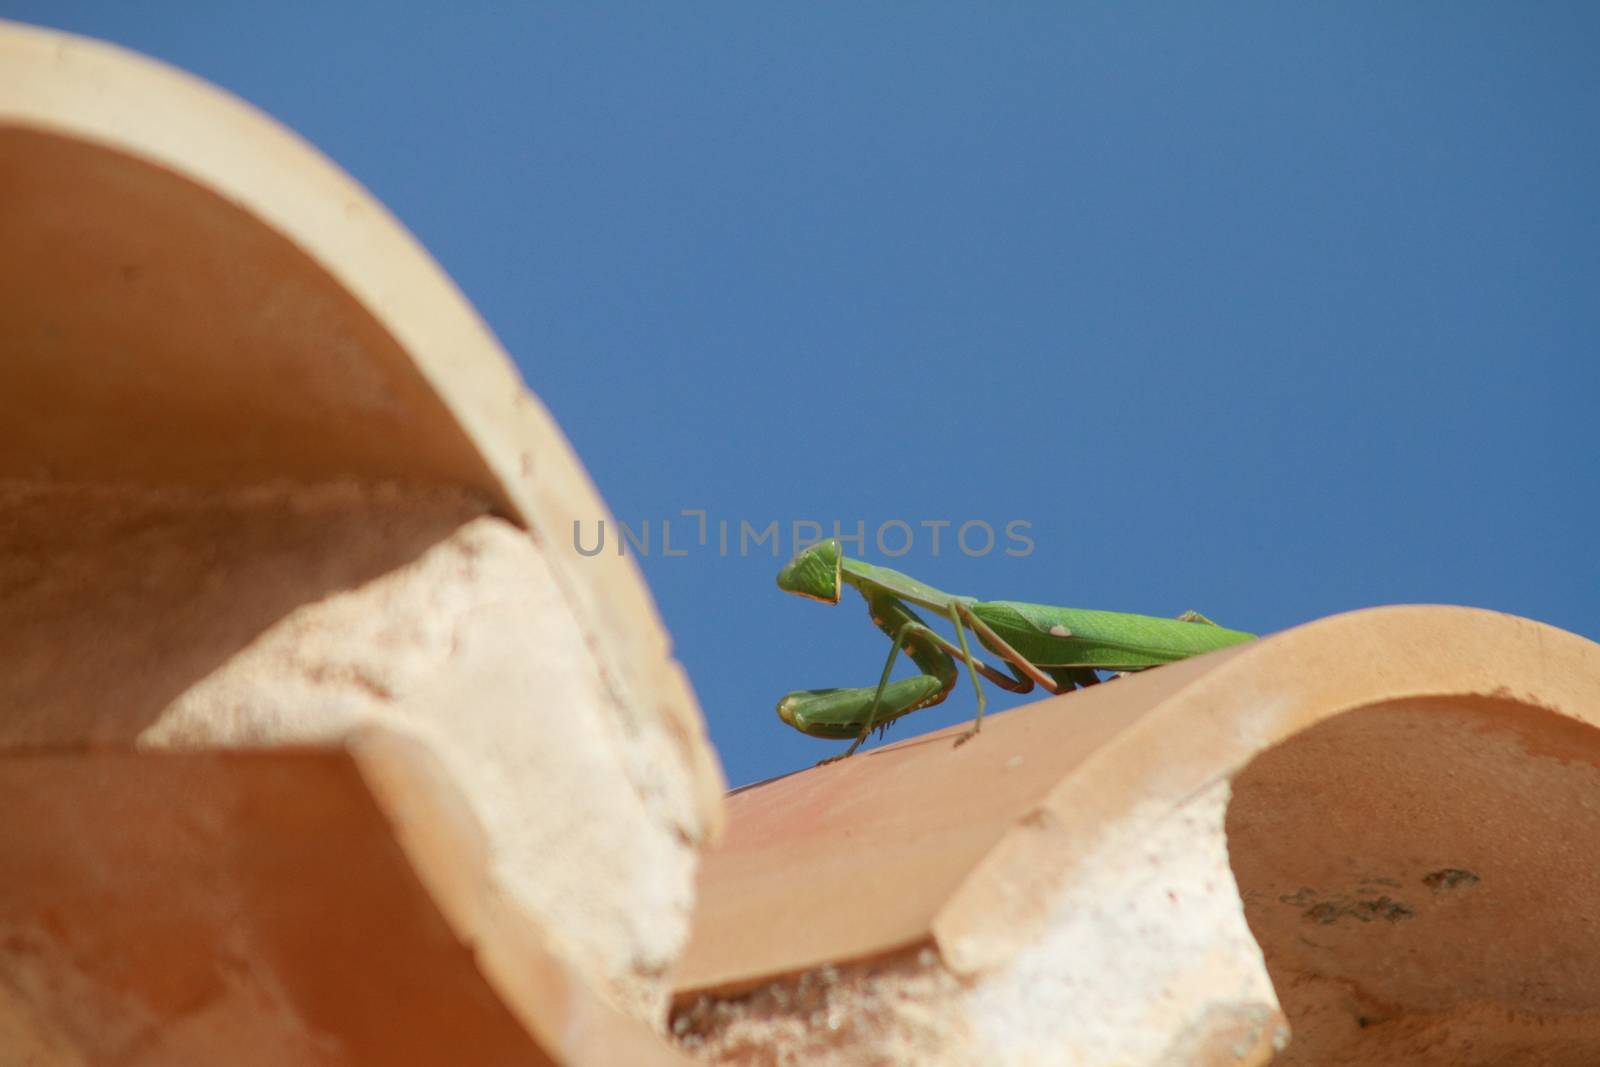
814	572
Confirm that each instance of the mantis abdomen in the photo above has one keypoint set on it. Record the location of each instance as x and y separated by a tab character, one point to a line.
1105	640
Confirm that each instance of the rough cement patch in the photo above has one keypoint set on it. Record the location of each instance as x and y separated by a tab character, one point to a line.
1146	941
887	1011
288	614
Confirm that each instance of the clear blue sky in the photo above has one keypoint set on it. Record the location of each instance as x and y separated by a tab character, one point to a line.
1266	310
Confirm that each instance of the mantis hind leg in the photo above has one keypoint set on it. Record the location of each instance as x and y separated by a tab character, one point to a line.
1056	680
1055	683
1062	682
1070	677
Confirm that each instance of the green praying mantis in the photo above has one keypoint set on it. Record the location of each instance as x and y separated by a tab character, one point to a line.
1057	648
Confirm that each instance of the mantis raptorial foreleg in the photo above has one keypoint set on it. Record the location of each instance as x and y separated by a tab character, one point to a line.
933	653
854	713
907	636
1014	683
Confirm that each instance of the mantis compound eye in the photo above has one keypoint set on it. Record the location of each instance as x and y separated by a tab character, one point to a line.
814	572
